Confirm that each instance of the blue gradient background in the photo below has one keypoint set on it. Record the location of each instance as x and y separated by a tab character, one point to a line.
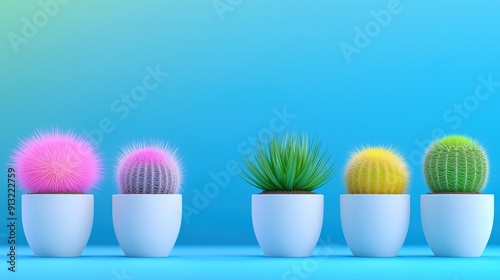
227	76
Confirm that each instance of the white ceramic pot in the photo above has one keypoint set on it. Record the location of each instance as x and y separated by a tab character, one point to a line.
375	225
287	225
57	225
147	225
457	225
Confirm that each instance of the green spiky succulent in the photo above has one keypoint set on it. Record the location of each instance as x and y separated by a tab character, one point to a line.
289	163
456	164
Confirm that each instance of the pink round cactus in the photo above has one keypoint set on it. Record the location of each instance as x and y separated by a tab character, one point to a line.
148	169
51	162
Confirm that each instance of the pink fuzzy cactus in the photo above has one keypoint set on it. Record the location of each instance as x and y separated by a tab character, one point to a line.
51	162
148	169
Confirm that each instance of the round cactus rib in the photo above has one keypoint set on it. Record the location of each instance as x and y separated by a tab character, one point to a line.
376	171
456	164
149	169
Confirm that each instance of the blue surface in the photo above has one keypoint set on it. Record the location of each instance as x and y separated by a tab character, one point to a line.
328	262
230	74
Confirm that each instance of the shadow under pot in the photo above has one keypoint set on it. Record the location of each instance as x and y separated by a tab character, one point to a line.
57	225
375	225
457	225
147	225
287	225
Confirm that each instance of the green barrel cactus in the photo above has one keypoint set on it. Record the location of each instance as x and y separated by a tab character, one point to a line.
456	164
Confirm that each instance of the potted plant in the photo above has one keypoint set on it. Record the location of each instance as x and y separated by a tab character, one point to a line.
375	214
56	170
457	218
147	214
288	216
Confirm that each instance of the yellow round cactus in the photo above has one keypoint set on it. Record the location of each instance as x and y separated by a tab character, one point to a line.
376	171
